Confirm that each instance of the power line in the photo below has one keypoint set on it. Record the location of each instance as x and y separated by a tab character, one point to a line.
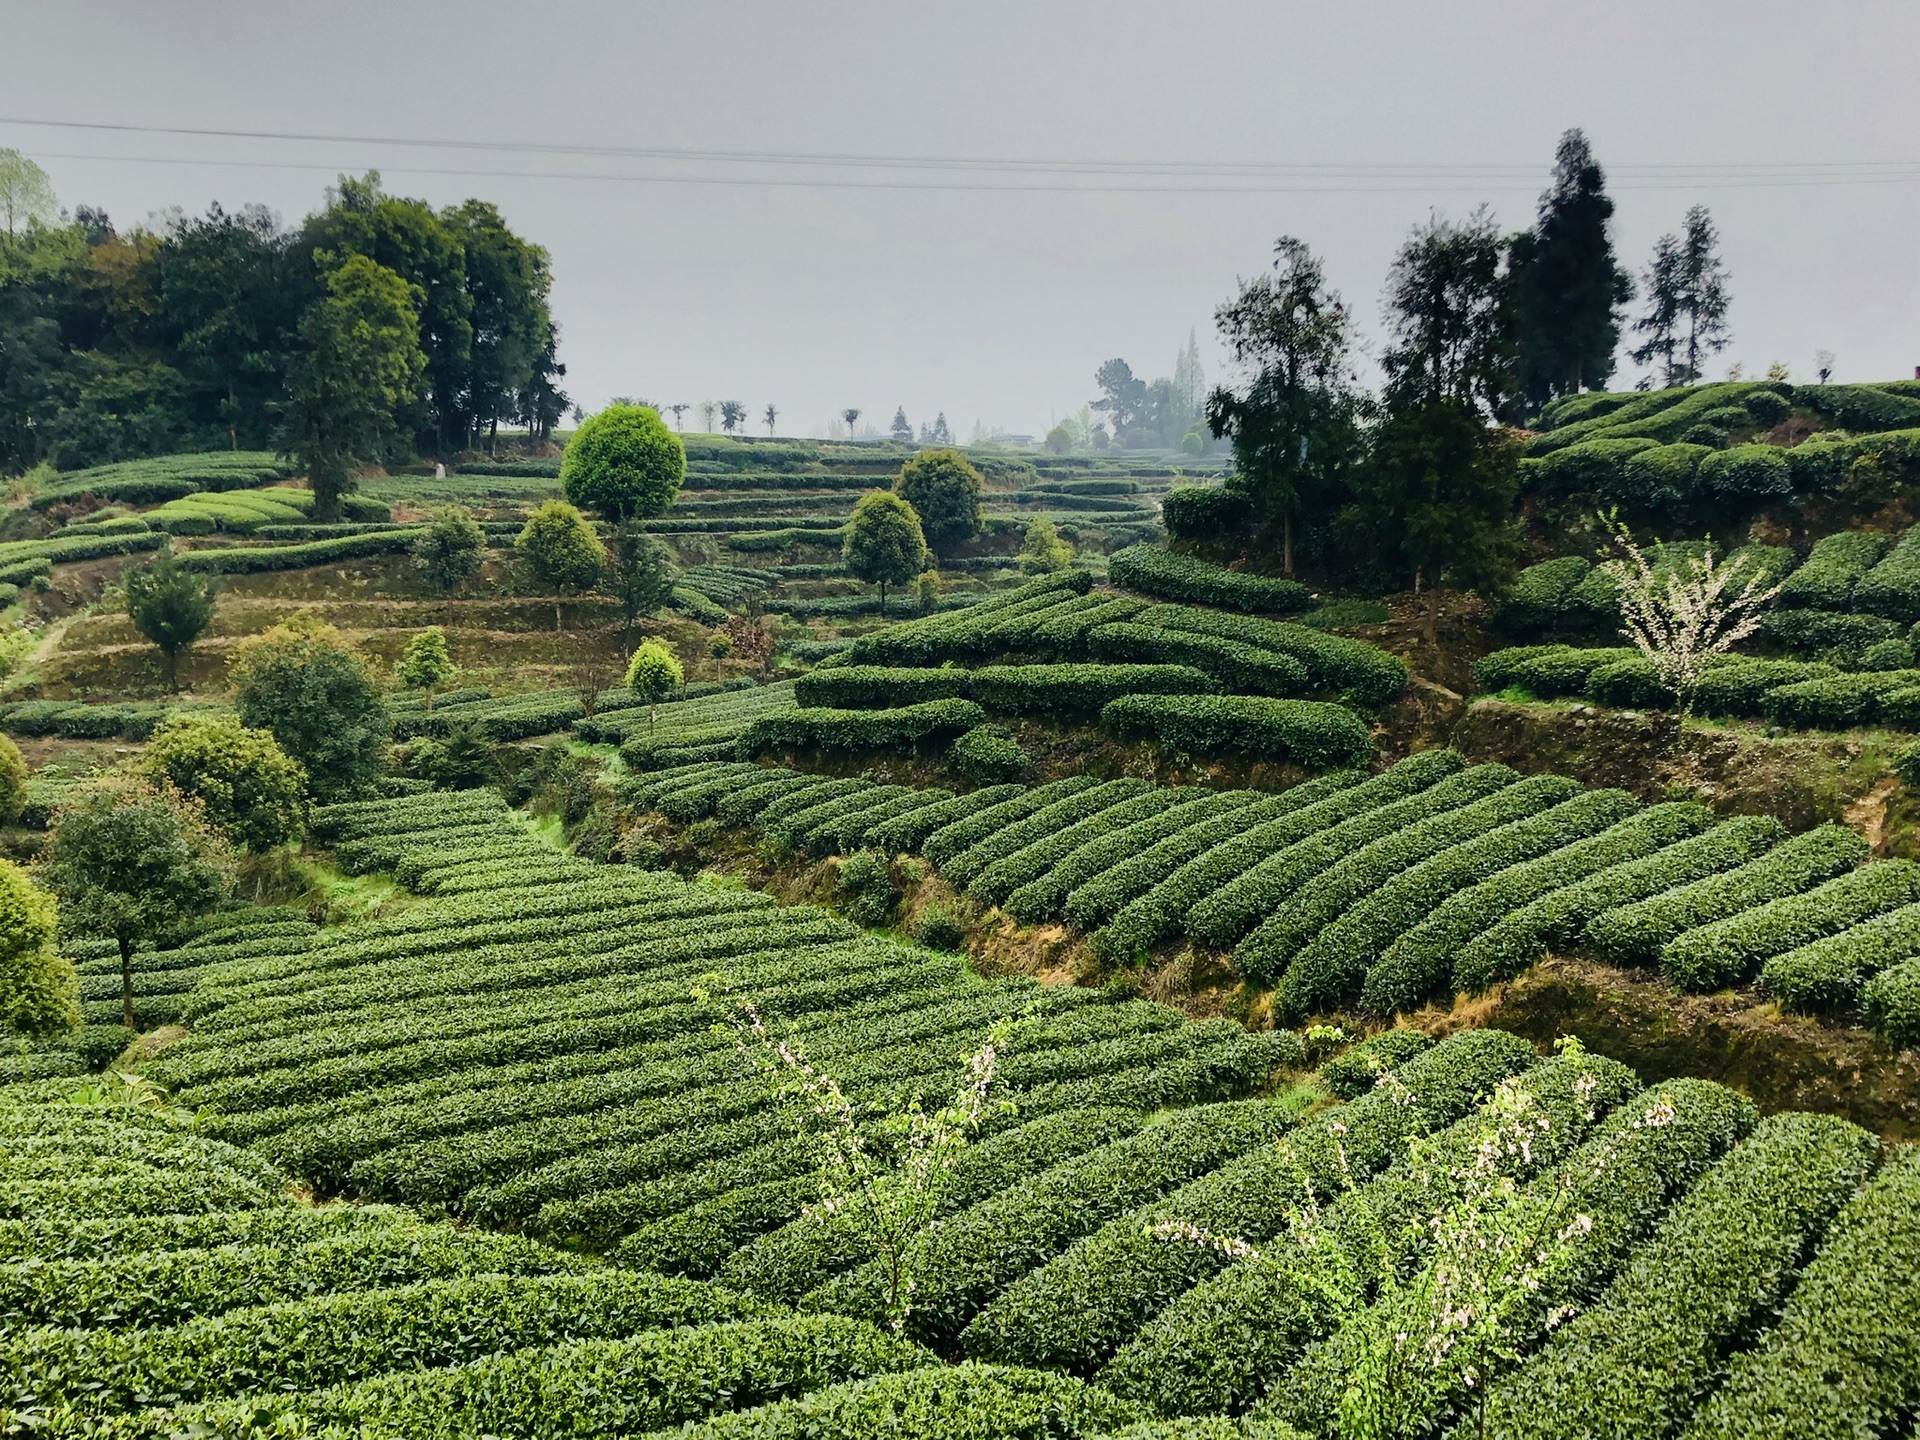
1333	176
1331	186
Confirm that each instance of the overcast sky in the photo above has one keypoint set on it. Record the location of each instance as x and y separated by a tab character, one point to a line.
817	286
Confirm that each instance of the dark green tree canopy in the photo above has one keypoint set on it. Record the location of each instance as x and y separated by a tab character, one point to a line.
1686	302
944	490
302	682
884	543
1449	317
1567	286
171	606
640	573
39	992
129	861
449	554
624	464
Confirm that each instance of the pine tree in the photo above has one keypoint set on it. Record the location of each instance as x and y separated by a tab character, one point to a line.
1568	289
902	429
1687	302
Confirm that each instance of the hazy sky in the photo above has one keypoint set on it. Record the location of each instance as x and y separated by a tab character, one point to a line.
819	285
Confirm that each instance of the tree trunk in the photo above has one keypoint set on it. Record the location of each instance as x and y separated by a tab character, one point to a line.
170	660
556	610
883	599
1286	543
1433	613
126	980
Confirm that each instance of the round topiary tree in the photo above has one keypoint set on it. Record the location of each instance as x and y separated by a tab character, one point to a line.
303	682
624	464
653	674
251	790
39	993
884	544
426	664
944	490
13	782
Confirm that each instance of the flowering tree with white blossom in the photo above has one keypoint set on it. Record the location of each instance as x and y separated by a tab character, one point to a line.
1684	613
884	1181
1434	1310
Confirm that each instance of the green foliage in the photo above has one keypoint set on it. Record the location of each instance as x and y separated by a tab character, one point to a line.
903	728
1303	732
1746	472
884	544
976	630
301	682
1245	668
1357	1069
1363	673
360	366
943	487
624	463
863	687
39	994
987	755
1835	565
1826	974
170	606
426	664
654	672
1043	551
255	559
1639	933
129	863
1891	1000
13	781
1063	691
1841	702
866	887
1167	576
1842	1354
448	553
1892	587
1203	512
249	789
1536	598
560	546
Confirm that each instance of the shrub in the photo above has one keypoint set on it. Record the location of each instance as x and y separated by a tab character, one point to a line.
1728	951
39	994
977	824
1641	1359
866	887
1740	686
943	487
1167	576
13	782
1366	674
250	789
1892	587
259	559
1049	820
1630	682
1305	732
1892	1002
1593	469
1827	973
1885	655
864	687
904	728
1833	567
1638	934
1203	512
1357	1069
1245	668
624	463
300	681
1041	860
907	831
987	755
1547	671
1841	1359
1537	596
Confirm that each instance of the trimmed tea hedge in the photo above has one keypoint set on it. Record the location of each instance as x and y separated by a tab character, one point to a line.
1638	934
1726	952
1828	973
1244	668
1365	674
1892	587
904	728
1158	572
1069	690
1835	565
1305	732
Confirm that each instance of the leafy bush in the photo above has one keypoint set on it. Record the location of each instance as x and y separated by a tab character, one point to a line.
1638	933
1835	565
1547	671
978	823
987	755
1892	1002
1728	951
1063	813
1054	854
904	728
1842	1356
1740	687
1203	512
938	928
1594	468
1885	655
971	632
908	831
1067	690
1841	702
1305	732
1630	682
1356	1070
1244	668
1167	576
1642	1358
1537	596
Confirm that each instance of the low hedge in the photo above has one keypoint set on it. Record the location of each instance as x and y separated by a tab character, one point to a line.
1539	594
1305	732
943	844
1745	472
1828	973
1548	671
1638	934
1244	668
1835	565
1892	1002
1272	947
875	687
1039	858
1177	897
1160	573
1826	634
1740	687
255	559
1356	1070
1064	813
968	633
1364	674
904	728
1644	1356
1844	1356
906	832
1726	952
1892	588
1062	633
1071	690
1843	702
1433	946
1203	512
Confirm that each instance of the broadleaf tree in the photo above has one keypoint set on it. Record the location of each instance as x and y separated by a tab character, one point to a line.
884	543
558	544
427	663
171	606
301	681
943	487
